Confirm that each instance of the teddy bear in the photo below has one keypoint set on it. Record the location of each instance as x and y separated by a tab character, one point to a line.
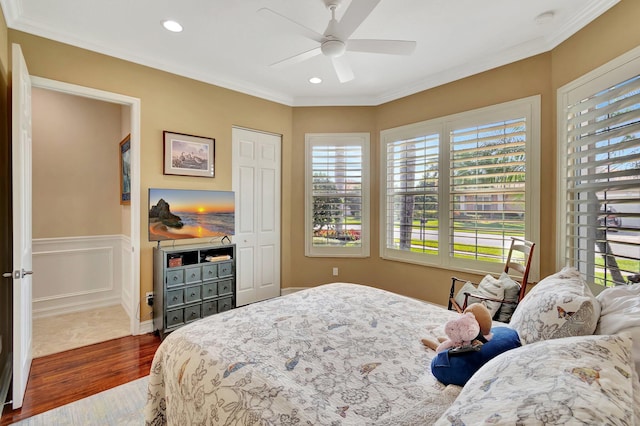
467	332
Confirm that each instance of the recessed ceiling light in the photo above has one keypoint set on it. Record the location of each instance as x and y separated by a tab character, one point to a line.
315	80
172	26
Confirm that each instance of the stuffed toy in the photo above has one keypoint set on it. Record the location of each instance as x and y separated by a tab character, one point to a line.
454	366
468	332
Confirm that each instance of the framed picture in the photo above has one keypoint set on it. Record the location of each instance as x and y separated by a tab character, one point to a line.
188	155
125	170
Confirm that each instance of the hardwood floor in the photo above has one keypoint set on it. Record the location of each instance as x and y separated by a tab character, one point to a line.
61	378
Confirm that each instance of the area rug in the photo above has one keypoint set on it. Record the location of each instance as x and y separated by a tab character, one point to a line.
121	405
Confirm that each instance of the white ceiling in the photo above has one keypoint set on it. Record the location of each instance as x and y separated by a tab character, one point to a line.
227	43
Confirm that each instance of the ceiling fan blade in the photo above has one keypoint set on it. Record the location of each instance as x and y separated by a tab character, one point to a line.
295	59
342	68
354	16
391	47
296	27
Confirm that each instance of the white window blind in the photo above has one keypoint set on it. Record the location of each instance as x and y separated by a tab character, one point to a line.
603	183
455	189
337	194
487	188
412	194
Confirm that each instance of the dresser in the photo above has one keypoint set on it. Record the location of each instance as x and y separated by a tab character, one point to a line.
191	282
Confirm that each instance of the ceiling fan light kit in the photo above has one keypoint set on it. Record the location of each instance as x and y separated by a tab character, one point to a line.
333	48
335	41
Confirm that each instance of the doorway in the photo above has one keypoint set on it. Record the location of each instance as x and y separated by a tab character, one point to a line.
93	263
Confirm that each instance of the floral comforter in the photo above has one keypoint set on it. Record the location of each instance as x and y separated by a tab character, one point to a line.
338	354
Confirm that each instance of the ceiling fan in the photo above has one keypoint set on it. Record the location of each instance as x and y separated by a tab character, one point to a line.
335	41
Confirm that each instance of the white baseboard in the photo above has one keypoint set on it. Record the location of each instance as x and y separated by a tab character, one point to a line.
146	327
289	290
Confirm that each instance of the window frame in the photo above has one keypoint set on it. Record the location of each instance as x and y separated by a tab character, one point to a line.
528	107
335	139
610	74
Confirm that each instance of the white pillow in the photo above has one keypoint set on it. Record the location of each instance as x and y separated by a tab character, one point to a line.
511	294
488	287
561	305
620	312
578	380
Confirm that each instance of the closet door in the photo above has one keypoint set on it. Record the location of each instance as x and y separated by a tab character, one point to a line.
256	182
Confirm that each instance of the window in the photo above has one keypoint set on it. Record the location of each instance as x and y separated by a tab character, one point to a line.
337	195
599	169
456	189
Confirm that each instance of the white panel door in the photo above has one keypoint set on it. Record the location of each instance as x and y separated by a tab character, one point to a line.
21	183
256	182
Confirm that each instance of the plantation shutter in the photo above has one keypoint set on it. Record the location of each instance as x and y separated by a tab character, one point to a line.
603	184
412	194
487	188
337	191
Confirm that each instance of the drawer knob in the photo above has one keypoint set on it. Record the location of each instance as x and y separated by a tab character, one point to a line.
175	318
175	278
175	298
193	294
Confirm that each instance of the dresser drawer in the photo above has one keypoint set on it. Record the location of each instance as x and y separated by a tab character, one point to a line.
175	317
209	308
225	269
192	294
209	289
209	271
192	313
175	278
192	275
175	298
225	287
225	304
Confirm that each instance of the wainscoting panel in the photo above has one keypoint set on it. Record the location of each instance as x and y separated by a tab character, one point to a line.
76	273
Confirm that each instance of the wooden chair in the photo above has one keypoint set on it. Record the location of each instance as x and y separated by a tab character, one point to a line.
520	264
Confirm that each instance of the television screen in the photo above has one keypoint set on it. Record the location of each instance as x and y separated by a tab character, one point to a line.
187	213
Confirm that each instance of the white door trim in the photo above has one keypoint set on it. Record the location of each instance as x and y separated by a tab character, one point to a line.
134	104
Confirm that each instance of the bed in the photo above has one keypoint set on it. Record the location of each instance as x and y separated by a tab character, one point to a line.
349	354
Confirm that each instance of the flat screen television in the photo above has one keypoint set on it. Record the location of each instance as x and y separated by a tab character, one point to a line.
178	214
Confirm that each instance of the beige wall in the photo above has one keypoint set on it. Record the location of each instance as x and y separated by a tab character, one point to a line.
519	80
75	166
168	102
609	36
182	105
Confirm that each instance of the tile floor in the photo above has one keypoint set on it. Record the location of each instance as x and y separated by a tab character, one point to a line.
68	331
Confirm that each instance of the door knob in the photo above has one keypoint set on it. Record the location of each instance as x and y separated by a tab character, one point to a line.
16	275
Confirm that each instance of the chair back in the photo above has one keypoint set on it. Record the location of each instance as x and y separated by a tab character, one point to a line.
520	263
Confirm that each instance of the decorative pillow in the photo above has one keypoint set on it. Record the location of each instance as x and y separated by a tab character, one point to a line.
511	294
620	312
457	369
561	305
488	287
577	380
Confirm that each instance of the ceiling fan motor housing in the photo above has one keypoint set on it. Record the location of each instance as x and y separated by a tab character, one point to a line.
333	48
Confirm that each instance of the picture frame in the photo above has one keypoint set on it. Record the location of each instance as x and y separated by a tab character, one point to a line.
125	170
188	155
